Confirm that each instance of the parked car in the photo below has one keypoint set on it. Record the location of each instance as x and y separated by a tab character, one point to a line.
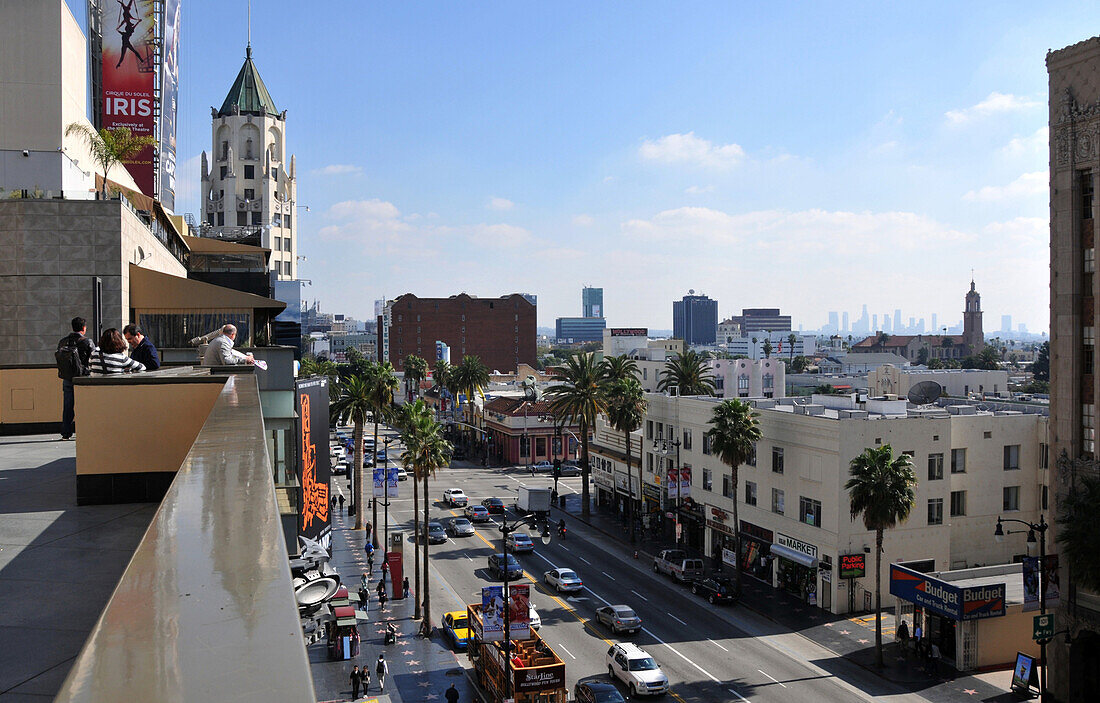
677	564
596	692
520	542
563	580
455	498
493	505
542	466
460	527
620	618
402	474
477	513
633	666
456	628
716	589
497	566
436	533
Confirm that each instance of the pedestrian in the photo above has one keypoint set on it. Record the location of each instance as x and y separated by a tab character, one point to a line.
370	559
382	599
405	587
141	349
452	694
935	659
332	502
903	636
220	351
364	676
341	499
385	571
381	668
73	355
355	681
109	357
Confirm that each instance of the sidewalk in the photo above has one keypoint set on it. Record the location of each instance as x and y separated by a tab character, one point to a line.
849	636
420	670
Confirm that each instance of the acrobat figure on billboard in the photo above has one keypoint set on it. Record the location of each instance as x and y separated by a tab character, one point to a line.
127	24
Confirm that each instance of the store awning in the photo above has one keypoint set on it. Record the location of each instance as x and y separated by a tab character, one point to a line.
794	555
152	290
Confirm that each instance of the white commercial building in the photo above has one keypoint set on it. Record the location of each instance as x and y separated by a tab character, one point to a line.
794	518
955	382
752	346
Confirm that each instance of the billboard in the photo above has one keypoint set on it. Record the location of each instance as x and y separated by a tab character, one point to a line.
853	566
314	521
969	603
169	93
1049	582
492	613
385	482
129	78
629	331
519	611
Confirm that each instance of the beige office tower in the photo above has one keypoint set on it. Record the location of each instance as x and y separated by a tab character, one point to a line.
1074	75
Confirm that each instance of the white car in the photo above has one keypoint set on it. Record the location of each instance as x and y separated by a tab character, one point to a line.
402	474
455	498
533	617
563	580
633	666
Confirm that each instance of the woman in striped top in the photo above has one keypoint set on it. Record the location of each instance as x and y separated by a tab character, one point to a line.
108	358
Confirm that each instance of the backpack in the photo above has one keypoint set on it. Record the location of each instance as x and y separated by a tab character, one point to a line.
69	362
380	668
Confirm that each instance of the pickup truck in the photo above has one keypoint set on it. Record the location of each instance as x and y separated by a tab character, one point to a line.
454	498
677	564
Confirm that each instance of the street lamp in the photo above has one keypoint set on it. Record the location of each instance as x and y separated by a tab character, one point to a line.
386	488
664	446
550	417
1032	527
506	529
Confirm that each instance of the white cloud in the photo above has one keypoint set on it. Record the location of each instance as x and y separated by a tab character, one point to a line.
337	170
692	150
500	204
698	190
1027	185
992	105
362	220
1032	145
584	220
499	235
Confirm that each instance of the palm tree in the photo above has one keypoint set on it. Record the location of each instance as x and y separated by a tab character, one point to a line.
733	436
425	451
881	489
354	402
688	372
383	383
442	376
471	378
110	146
791	339
416	370
1079	518
626	407
318	367
580	398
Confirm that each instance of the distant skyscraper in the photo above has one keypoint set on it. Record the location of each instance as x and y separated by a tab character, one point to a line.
834	322
761	319
844	326
897	319
874	322
695	319
1006	323
592	302
935	324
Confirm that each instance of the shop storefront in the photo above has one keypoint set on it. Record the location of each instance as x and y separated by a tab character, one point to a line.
796	567
651	508
692	522
756	544
720	535
605	486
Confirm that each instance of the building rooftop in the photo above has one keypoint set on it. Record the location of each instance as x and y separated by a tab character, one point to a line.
249	95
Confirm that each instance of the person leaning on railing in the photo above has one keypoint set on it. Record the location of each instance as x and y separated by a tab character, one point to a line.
109	357
221	351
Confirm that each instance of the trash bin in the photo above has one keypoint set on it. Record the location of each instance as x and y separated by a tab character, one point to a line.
561	502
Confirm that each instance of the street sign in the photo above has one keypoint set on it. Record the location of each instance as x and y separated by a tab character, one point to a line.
1044	627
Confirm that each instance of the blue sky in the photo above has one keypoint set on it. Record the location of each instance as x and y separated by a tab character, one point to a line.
810	156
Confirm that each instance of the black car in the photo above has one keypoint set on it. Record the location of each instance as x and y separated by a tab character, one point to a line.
496	566
597	692
716	589
493	505
436	533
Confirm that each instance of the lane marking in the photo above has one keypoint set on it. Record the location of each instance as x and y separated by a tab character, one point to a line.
772	678
608	575
564	547
677	619
585	560
706	673
565	650
638	594
738	695
717	645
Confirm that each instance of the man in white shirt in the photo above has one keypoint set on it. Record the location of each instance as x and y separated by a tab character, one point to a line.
220	352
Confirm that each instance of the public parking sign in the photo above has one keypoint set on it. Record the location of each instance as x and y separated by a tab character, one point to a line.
1043	628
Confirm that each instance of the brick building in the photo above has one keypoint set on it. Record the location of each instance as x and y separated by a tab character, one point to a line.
501	331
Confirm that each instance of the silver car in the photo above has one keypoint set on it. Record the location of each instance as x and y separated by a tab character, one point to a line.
460	527
563	580
620	618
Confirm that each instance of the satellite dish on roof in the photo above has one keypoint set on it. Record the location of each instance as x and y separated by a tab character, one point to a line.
924	393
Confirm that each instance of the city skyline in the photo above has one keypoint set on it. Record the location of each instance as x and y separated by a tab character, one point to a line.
910	172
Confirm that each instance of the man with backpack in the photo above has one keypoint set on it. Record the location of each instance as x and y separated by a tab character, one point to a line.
73	356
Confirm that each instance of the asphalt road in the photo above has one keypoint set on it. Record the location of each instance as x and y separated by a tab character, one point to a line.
709	653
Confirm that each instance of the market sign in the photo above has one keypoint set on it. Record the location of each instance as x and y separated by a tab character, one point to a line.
853	566
796	544
970	603
716	520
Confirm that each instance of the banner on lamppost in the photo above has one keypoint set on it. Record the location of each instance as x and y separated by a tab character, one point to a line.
385	482
519	611
1036	580
492	613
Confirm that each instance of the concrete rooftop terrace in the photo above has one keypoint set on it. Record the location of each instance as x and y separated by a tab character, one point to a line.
59	563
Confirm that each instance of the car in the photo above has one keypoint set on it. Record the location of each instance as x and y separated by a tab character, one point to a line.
497	566
596	692
493	505
563	580
633	666
520	542
460	527
459	455
455	498
402	474
570	470
716	589
542	466
340	468
476	513
456	627
381	456
533	617
436	533
620	618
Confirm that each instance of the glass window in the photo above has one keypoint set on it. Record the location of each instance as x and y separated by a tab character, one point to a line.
958	503
768	381
777	501
286	243
727	487
223	170
286	220
706	444
649	429
751	460
708	480
649	463
777	460
242	218
257	217
1044	455
249	171
1012	457
249	193
1088	426
750	493
935	467
743	382
935	511
221	219
1090	260
1011	497
809	511
958	461
687	440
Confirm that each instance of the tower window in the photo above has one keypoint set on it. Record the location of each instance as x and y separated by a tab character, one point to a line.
1084	179
249	193
249	171
221	219
257	217
223	170
242	218
225	151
